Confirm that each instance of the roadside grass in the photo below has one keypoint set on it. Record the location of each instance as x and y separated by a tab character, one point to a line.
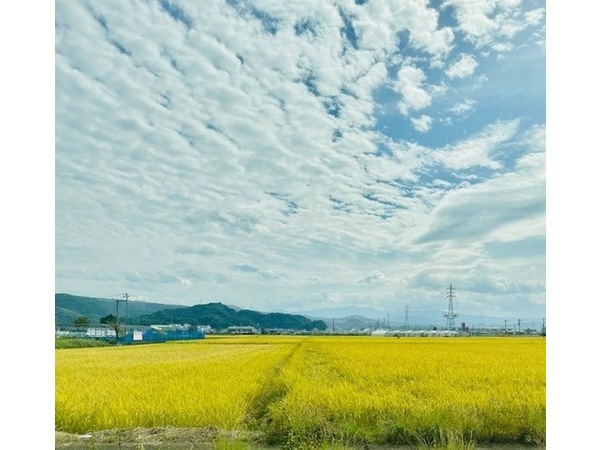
68	342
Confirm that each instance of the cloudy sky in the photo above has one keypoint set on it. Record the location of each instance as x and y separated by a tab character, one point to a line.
302	155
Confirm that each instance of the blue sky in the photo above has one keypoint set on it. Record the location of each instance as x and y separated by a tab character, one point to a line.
303	155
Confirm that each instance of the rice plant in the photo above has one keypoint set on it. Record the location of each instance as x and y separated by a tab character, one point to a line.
315	392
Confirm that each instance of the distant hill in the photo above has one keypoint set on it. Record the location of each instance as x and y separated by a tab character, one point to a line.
220	316
352	317
68	307
217	315
347	323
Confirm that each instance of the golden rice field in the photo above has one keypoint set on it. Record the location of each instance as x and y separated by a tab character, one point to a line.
304	391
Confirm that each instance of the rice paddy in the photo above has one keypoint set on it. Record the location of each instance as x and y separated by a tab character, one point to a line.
303	391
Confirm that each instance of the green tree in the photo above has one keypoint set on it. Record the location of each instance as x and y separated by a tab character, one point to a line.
107	320
113	323
82	322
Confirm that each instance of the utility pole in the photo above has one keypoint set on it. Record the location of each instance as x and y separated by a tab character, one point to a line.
117	323
450	314
126	296
405	317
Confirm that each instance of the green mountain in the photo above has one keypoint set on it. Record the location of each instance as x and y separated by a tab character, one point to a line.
68	307
220	316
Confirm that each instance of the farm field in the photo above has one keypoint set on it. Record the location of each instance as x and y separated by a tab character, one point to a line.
311	392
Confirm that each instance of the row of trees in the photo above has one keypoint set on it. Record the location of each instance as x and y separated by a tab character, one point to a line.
110	320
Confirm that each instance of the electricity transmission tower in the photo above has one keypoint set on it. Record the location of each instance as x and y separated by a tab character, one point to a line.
450	314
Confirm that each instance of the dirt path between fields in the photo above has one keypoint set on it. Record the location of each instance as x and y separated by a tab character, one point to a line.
171	438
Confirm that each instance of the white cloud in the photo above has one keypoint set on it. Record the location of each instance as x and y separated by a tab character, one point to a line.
502	47
535	138
473	18
376	31
475	151
422	123
404	161
535	16
488	22
463	67
409	84
371	277
183	151
184	282
517	212
464	108
519	203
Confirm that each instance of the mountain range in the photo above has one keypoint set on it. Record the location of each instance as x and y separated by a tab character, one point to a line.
69	307
218	315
